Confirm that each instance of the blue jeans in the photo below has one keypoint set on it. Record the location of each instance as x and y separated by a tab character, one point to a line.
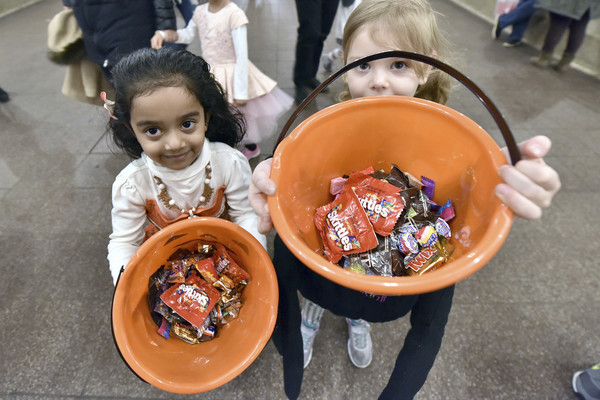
518	18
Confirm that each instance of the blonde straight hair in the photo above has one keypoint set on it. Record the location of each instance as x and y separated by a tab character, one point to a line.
408	25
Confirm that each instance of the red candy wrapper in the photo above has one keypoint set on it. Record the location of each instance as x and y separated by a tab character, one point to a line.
193	300
206	268
224	264
344	226
380	200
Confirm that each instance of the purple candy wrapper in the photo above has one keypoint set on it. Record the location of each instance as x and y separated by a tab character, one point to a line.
165	328
446	211
428	186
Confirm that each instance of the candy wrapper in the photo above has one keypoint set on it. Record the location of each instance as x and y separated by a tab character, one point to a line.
210	294
411	230
380	200
193	300
344	226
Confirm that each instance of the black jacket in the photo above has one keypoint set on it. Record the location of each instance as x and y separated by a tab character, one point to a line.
115	28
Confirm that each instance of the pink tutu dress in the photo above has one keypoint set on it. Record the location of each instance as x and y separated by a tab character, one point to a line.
265	101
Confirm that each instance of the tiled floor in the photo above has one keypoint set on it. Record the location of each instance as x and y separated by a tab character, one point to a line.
519	327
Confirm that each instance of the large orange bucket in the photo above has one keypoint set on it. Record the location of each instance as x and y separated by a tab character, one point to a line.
421	137
171	364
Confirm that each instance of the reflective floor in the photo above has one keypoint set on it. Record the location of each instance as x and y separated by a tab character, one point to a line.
519	328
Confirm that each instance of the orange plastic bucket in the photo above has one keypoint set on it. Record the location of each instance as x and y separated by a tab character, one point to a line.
171	364
421	137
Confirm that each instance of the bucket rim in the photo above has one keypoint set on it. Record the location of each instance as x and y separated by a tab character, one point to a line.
270	288
451	273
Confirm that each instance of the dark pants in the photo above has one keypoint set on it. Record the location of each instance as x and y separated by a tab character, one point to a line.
558	25
429	315
315	18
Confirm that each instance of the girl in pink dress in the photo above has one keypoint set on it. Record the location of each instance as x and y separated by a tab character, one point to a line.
221	26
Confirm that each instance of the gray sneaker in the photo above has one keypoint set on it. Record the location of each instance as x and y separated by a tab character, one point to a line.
586	383
311	319
360	347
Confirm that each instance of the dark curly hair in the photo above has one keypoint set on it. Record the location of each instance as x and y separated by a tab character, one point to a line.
146	70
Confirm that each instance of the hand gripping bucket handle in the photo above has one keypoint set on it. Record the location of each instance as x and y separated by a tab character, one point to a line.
513	149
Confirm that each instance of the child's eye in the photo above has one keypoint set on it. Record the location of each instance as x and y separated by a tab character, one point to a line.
152	131
363	67
399	65
188	124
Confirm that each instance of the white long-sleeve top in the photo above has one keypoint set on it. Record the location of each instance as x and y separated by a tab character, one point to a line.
135	184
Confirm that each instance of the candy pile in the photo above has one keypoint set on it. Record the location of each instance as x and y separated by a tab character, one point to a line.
196	293
385	224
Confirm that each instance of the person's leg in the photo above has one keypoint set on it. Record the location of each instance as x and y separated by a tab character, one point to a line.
309	19
520	20
558	26
328	11
428	320
576	37
311	320
360	345
287	335
577	33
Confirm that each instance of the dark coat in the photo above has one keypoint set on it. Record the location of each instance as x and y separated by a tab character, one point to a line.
571	8
115	28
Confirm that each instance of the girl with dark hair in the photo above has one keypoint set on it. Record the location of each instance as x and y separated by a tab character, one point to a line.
171	116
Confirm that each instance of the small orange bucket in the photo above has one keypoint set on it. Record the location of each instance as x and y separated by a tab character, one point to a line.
419	136
171	364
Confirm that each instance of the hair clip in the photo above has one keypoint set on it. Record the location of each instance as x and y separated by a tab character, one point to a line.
109	105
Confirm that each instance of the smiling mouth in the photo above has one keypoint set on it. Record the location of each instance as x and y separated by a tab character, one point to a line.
176	157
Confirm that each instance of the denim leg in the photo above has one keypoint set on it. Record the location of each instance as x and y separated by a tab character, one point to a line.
518	18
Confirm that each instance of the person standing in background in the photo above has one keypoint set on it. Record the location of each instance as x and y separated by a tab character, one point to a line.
315	19
114	28
565	14
518	18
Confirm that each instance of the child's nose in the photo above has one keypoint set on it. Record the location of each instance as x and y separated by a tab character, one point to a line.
379	80
174	141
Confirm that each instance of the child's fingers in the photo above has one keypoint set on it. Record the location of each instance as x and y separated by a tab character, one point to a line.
264	225
519	204
262	186
535	147
260	177
533	179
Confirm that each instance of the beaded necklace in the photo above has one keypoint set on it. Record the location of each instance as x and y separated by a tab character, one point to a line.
207	193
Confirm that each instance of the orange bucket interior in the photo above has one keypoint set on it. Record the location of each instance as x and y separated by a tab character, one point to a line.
171	364
420	137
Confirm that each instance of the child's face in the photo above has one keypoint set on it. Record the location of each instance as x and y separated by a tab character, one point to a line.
169	124
385	77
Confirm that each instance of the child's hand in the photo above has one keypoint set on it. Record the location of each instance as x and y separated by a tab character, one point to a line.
261	187
160	37
157	40
531	184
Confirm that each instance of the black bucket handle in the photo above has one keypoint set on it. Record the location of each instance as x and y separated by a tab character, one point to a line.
513	149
